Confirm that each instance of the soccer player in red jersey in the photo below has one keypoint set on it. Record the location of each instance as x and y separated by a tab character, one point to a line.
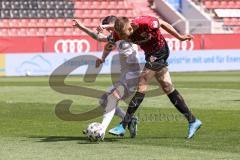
145	31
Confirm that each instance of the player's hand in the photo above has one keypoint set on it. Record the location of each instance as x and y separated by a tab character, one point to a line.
76	23
99	61
186	37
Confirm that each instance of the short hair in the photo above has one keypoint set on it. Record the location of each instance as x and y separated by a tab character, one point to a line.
120	23
109	19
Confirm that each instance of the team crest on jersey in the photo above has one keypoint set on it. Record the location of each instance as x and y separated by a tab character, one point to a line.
155	24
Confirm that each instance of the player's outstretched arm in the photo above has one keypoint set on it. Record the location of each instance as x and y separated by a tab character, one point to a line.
167	27
99	37
107	49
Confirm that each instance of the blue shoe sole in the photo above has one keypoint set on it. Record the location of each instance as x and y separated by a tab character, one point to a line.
119	135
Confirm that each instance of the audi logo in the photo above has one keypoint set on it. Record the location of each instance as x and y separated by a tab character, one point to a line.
176	45
71	45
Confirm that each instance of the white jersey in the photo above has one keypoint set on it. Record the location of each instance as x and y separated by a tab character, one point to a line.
129	67
129	64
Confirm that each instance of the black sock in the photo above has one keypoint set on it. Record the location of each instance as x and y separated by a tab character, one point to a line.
132	107
178	101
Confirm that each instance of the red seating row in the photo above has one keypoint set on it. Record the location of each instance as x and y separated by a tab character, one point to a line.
101	5
41	32
89	12
236	29
103	13
21	23
231	21
222	4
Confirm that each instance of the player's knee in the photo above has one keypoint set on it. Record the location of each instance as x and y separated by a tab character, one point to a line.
141	89
107	98
167	88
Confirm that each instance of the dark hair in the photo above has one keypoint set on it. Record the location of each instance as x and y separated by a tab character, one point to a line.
120	23
109	19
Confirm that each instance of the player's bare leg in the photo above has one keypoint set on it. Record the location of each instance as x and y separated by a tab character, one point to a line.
144	79
164	79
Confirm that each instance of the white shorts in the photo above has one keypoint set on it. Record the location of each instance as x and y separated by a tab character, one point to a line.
126	85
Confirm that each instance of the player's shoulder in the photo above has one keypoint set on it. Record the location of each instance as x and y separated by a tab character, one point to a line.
124	44
150	21
126	47
144	18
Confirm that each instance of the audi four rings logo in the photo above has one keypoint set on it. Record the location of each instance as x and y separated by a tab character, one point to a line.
176	45
71	45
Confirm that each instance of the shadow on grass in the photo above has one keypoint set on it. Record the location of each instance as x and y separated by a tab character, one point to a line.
234	100
82	140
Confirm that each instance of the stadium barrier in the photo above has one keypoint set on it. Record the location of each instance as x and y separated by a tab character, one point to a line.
76	44
44	64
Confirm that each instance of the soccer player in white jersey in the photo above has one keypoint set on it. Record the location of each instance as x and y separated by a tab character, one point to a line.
130	71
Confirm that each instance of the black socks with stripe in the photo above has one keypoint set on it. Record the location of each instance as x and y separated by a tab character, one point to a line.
178	101
132	107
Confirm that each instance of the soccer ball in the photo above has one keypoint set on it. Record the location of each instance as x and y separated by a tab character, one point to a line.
94	132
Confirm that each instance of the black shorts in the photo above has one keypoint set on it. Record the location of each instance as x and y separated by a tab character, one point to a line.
157	60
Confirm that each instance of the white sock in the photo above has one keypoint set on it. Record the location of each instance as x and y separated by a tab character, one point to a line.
107	117
119	112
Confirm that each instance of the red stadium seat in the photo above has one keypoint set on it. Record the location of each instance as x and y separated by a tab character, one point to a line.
4	23
59	31
42	23
96	21
13	32
87	22
215	4
22	32
237	4
79	13
96	4
33	23
51	23
68	31
236	29
113	12
14	23
104	13
227	21
223	4
96	13
122	12
50	32
32	31
4	32
78	5
86	14
77	32
41	32
103	4
208	4
231	4
59	22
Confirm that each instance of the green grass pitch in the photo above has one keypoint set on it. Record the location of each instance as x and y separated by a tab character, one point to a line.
29	128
